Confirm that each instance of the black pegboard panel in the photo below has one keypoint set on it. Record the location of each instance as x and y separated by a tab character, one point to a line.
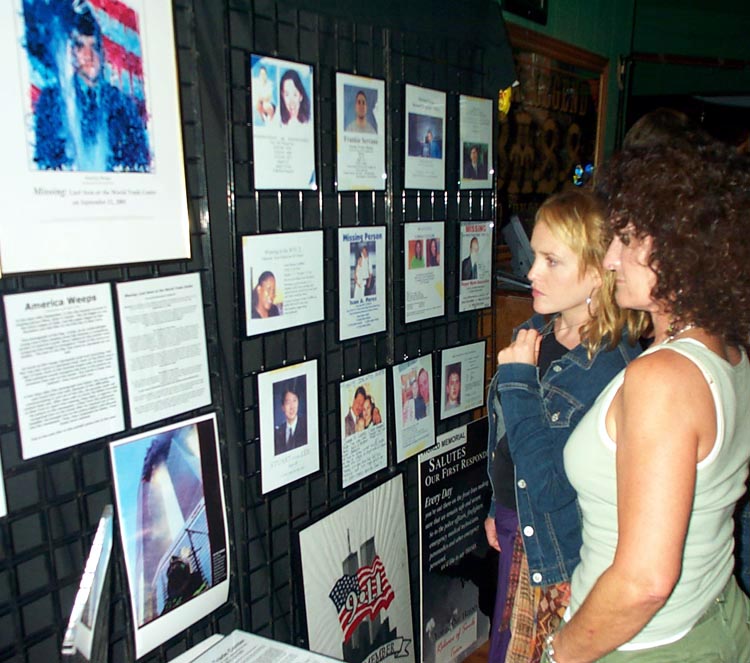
270	581
55	501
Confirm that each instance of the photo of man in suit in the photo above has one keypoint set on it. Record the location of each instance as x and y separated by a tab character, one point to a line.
469	264
475	168
292	432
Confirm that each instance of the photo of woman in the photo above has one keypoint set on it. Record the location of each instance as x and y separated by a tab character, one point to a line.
295	103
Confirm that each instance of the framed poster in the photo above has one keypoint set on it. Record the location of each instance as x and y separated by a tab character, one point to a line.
475	265
413	406
355	570
282	110
173	529
462	379
362	281
424	272
91	134
424	159
360	133
455	560
364	434
283	278
475	142
288	403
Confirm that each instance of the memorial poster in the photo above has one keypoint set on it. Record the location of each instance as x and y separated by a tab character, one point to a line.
475	265
360	133
475	140
283	118
289	444
413	403
362	281
91	135
355	569
455	561
173	529
424	243
364	427
283	277
424	144
462	379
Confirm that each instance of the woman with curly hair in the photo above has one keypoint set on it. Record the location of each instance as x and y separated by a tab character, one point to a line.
661	458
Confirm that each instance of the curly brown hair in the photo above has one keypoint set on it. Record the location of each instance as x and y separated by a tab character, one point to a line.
695	204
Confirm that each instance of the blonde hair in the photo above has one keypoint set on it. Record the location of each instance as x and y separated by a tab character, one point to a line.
577	218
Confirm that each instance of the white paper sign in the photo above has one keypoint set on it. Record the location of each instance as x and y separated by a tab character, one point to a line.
364	434
475	268
360	133
424	270
283	124
413	407
363	283
355	571
242	647
289	445
462	378
65	372
475	118
164	343
283	276
93	170
424	118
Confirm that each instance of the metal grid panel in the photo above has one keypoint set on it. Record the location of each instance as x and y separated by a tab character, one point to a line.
55	501
272	582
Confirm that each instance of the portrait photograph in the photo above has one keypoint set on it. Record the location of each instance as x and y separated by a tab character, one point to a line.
359	102
171	511
362	286
288	408
425	144
360	133
425	136
475	161
282	112
364	442
93	135
290	415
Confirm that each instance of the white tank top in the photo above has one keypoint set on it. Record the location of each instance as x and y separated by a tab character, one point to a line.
707	560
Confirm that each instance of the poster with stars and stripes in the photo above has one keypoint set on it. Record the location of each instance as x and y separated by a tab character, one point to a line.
355	571
91	135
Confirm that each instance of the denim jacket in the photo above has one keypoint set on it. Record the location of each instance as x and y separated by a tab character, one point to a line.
538	416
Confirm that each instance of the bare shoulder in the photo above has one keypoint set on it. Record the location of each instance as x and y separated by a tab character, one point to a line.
664	368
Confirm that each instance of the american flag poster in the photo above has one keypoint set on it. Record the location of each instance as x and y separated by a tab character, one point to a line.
92	136
355	571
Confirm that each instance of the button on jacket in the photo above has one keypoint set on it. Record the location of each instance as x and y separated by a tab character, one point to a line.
538	416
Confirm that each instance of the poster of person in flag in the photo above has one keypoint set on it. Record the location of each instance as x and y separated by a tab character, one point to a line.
92	115
355	571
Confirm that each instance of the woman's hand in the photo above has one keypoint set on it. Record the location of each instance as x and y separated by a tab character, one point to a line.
523	350
491	532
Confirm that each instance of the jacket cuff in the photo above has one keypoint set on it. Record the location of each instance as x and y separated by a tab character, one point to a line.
516	372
